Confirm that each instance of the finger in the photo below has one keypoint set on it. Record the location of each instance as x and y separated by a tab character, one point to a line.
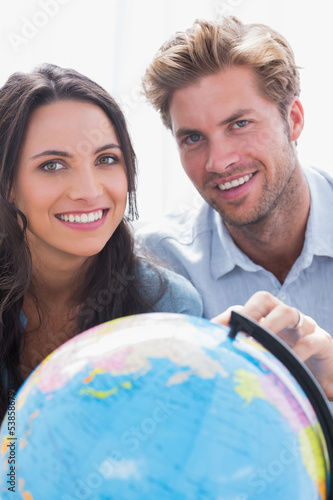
260	305
286	318
277	316
318	345
224	318
316	351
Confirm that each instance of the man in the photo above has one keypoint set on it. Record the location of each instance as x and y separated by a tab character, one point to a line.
230	95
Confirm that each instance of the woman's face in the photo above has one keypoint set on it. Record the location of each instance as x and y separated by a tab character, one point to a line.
71	180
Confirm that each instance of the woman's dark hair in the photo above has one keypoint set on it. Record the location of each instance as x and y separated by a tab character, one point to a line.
110	286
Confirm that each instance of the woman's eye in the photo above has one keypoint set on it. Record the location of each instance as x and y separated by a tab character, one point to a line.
107	160
191	139
52	166
240	123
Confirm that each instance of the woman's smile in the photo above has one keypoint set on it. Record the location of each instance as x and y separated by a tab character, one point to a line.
84	221
84	218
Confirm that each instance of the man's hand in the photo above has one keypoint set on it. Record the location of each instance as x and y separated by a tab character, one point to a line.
310	343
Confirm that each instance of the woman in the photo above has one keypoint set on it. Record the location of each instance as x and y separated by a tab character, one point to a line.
67	169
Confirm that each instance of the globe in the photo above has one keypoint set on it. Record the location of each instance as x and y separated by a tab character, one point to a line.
162	406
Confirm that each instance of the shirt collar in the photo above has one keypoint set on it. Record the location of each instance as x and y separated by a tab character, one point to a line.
319	232
225	253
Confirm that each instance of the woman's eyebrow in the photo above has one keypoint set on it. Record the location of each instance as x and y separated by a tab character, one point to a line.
52	152
107	146
65	154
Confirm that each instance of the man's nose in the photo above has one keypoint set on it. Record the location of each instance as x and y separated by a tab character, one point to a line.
222	153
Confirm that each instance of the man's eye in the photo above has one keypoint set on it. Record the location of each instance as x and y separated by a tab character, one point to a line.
240	123
52	166
107	160
191	139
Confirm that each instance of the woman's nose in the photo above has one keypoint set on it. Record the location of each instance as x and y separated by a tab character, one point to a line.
85	185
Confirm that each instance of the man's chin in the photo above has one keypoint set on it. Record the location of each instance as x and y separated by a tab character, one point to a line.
239	220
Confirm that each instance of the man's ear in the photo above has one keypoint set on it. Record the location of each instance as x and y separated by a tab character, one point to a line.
296	118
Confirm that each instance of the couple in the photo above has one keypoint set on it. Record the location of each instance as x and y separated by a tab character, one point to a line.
68	170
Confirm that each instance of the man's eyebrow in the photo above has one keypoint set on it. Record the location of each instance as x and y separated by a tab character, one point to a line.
186	131
235	116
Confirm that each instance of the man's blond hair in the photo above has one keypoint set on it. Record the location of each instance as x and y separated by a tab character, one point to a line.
208	47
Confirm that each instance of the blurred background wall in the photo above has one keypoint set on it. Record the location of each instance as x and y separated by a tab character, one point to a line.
113	41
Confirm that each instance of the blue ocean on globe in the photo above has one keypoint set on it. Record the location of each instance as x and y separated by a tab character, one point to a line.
163	407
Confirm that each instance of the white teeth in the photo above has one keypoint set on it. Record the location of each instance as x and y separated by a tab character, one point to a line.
235	182
83	218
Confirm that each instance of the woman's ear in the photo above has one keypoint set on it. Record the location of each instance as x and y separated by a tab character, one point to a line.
11	197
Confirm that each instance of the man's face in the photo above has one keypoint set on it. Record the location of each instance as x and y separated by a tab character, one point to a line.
234	144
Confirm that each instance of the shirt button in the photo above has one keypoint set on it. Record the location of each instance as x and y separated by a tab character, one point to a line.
282	296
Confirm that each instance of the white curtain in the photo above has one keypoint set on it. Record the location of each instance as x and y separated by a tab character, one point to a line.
113	41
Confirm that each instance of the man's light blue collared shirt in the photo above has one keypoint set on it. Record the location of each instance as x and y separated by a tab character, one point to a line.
197	245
